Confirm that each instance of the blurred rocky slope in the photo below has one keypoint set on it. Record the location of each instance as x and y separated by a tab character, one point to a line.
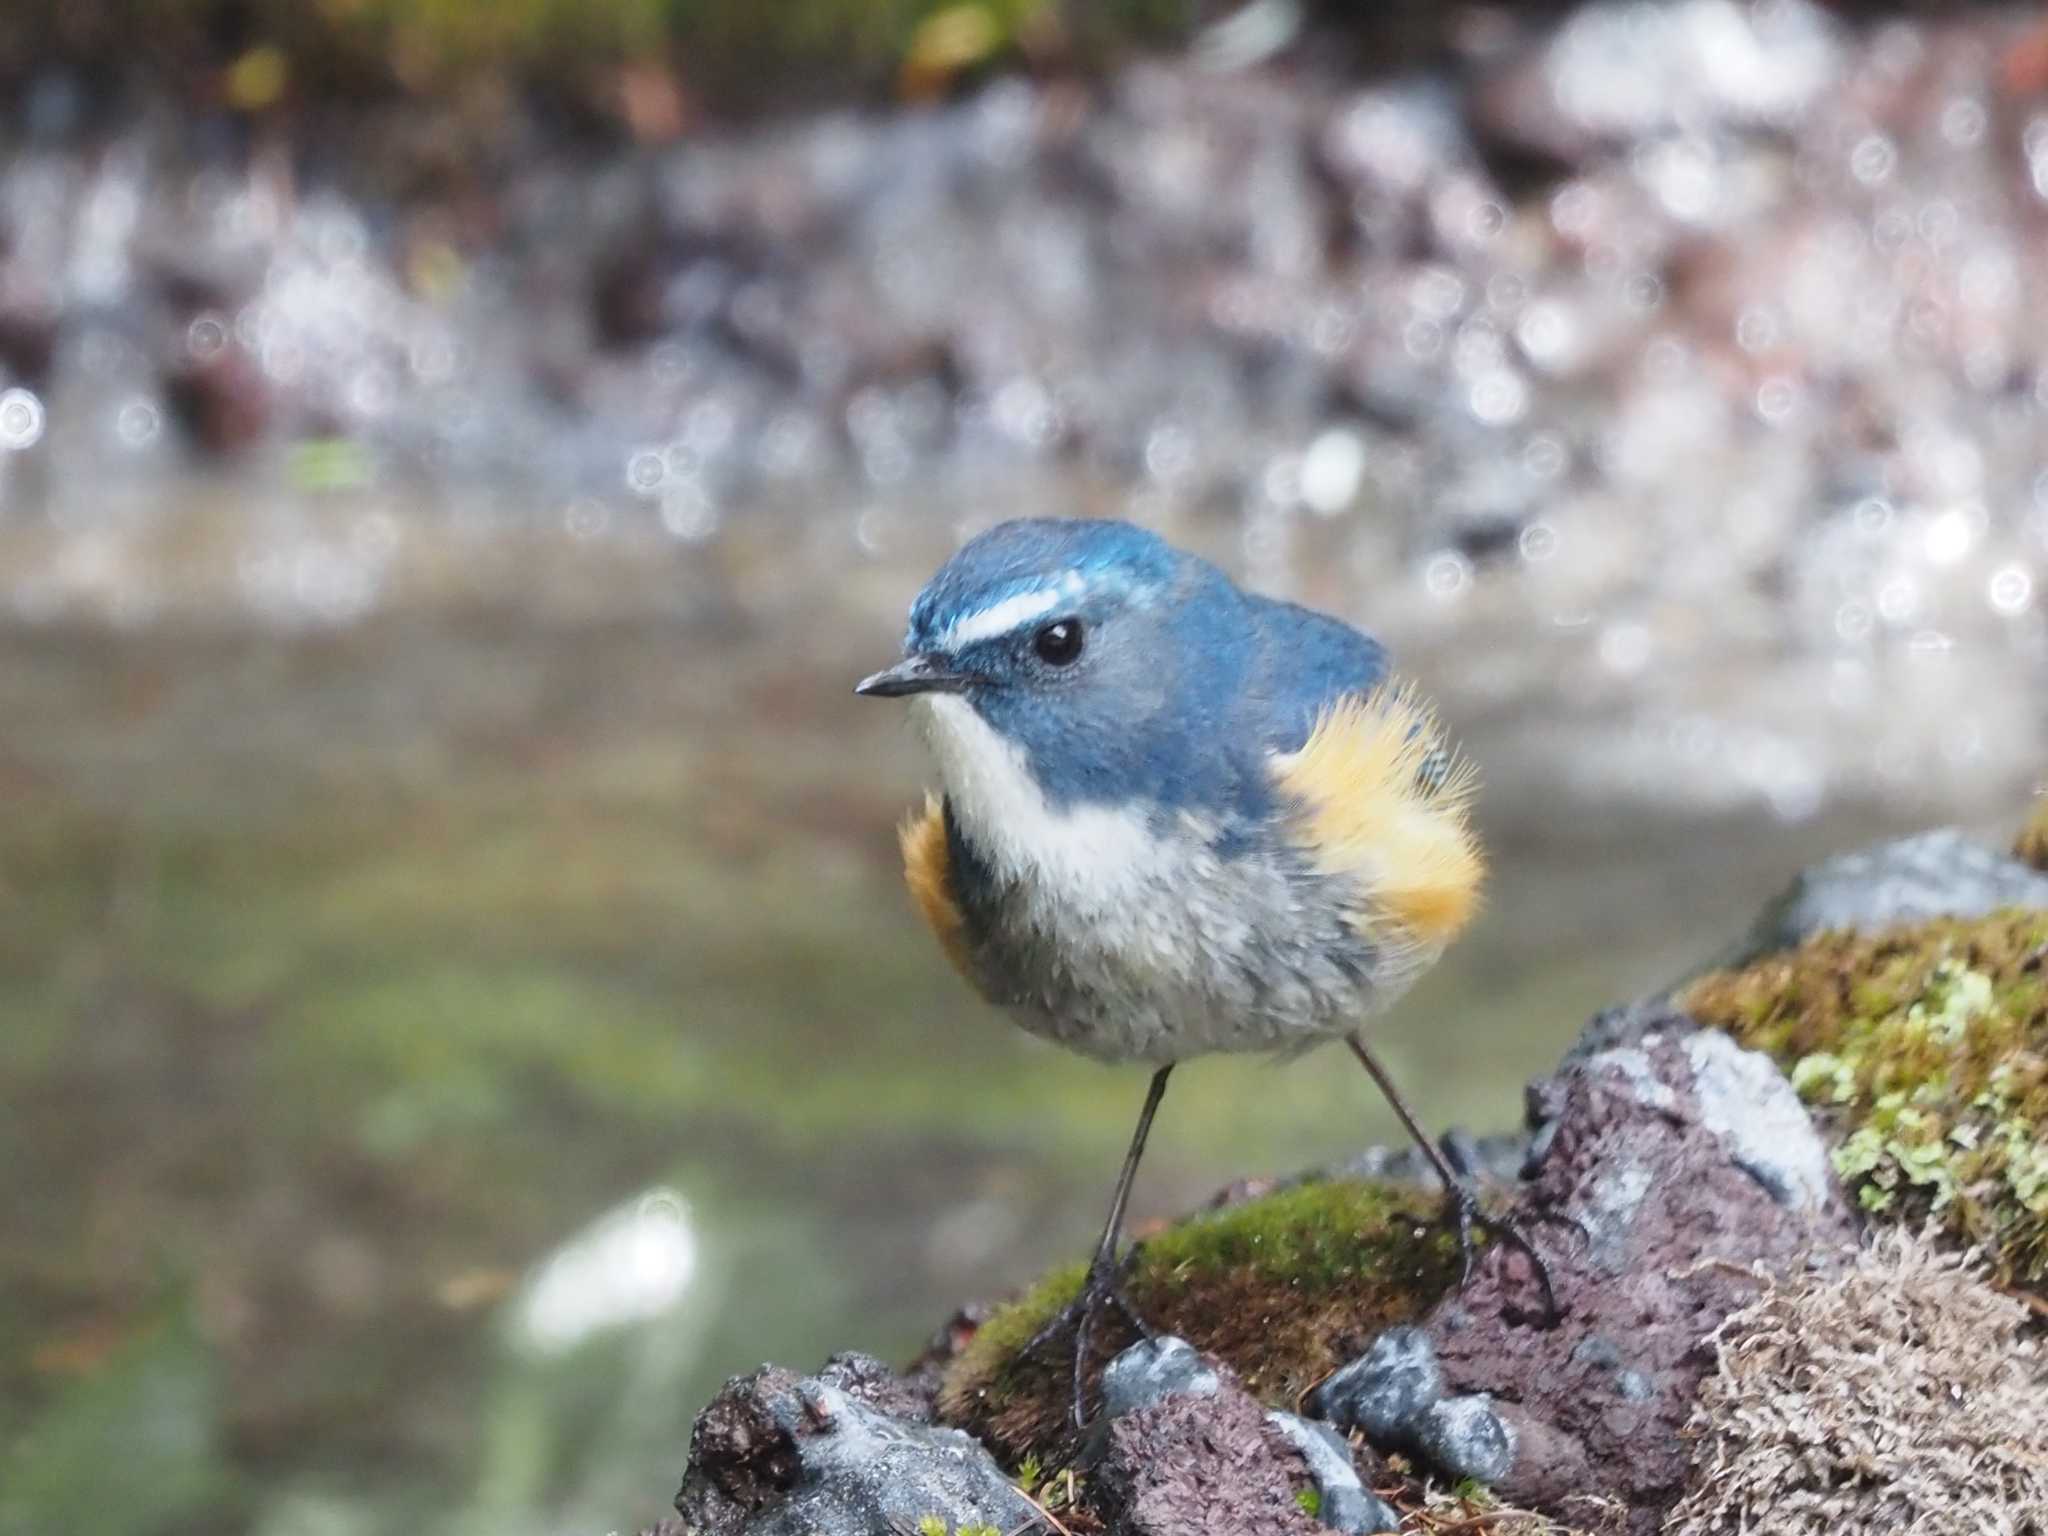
1682	364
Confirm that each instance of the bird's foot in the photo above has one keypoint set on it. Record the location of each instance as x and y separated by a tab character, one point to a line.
1461	1163
1475	1219
1102	1288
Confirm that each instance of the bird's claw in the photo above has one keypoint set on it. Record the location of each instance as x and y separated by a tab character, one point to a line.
1474	1217
1102	1287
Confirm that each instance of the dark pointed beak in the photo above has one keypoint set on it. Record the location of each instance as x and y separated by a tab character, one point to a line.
913	674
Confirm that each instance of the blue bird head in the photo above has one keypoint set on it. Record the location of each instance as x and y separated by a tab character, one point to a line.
1090	646
1122	668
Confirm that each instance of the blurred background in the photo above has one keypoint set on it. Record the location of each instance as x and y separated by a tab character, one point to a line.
456	998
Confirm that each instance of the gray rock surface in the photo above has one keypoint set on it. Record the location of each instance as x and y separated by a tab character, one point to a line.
1745	1100
1464	1437
1154	1369
1394	1395
1384	1390
1943	873
841	1453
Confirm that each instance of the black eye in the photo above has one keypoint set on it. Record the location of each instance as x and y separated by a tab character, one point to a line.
1059	643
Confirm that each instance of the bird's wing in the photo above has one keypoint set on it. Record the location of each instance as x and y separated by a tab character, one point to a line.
1371	791
1304	663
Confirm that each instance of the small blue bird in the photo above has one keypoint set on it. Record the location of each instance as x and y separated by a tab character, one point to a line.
1177	818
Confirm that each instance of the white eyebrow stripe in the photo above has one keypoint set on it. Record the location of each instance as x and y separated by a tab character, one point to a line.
1000	618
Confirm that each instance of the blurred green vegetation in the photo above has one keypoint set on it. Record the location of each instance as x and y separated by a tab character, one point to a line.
156	1396
727	55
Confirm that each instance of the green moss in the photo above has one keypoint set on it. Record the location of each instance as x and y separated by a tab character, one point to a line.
1281	1289
1925	1054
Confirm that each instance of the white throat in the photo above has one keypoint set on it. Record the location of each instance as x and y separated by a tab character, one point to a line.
1095	856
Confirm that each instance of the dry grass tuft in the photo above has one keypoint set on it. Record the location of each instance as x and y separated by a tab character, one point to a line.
1899	1395
1428	1508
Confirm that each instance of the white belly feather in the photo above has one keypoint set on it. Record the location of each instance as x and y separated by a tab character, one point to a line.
1131	945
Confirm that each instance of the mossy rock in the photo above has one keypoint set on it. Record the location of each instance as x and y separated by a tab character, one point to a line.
2033	839
1282	1289
1923	1052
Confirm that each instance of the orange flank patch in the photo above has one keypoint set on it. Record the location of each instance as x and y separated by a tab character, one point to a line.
1382	801
927	871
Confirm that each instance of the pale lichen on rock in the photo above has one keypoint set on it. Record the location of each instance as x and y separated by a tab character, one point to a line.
1923	1052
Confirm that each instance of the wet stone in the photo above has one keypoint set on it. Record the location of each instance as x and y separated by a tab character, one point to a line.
1464	1437
777	1454
1152	1370
1384	1393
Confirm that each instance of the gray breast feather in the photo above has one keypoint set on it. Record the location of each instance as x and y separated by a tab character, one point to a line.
1198	953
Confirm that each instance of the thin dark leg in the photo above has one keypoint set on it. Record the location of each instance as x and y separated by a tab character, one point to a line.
1113	1229
1470	1214
1100	1286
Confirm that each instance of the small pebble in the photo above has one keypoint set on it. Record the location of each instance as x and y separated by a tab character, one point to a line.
1386	1390
1596	1350
1152	1370
1464	1437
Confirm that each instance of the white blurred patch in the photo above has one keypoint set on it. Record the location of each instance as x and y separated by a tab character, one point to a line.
631	1265
1333	471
